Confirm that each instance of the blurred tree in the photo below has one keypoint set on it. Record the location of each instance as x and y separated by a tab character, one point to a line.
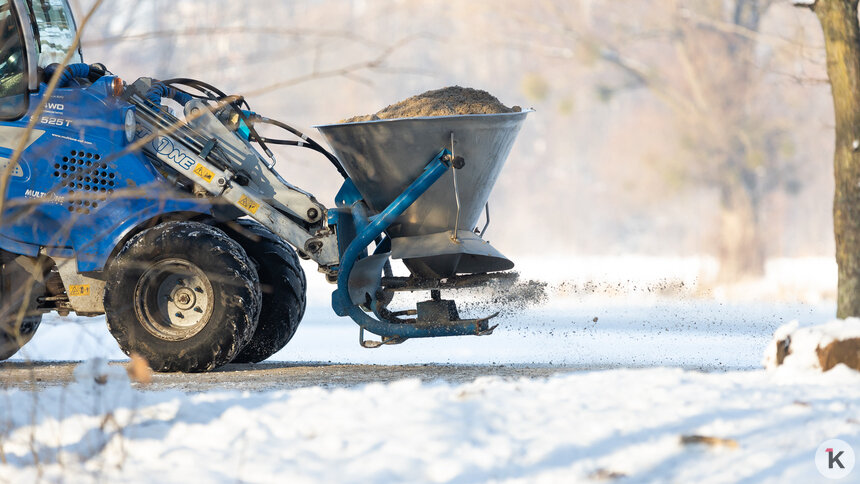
705	60
842	43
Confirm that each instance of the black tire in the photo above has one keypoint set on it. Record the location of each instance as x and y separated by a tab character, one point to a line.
283	283
19	293
183	295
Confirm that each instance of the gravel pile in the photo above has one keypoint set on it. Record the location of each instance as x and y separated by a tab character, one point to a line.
448	101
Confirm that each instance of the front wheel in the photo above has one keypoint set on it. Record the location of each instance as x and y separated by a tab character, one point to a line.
184	296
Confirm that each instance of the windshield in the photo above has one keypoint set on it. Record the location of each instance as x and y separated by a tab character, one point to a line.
56	30
13	84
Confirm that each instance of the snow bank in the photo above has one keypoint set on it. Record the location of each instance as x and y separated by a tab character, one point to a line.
572	428
800	348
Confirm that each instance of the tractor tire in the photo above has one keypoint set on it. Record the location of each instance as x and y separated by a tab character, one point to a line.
19	316
283	283
184	296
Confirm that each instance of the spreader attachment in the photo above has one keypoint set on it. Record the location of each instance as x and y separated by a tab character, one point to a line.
424	213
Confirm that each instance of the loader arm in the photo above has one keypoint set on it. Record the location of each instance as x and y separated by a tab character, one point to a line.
219	163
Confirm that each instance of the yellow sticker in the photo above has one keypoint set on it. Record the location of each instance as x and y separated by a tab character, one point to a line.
82	290
248	204
203	172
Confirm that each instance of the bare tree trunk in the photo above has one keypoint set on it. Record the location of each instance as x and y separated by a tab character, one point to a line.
842	41
741	251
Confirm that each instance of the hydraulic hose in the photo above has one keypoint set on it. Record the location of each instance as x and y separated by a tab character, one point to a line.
305	142
212	93
201	86
71	71
159	90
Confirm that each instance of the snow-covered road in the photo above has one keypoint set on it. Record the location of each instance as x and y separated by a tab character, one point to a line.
599	313
269	376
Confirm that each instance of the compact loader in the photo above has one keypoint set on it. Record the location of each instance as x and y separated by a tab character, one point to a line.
156	204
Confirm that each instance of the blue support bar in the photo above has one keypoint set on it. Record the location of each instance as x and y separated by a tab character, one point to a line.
341	302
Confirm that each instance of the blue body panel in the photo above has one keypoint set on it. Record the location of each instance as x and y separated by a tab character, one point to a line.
77	191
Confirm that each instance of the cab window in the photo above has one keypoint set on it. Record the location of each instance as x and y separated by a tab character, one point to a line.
13	64
56	31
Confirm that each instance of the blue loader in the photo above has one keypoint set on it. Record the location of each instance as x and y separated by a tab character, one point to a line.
157	204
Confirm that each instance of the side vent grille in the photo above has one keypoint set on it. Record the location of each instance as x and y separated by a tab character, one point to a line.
86	180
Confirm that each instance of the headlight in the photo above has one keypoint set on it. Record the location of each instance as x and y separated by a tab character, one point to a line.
130	125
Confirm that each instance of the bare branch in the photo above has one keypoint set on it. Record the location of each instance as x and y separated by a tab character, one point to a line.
238	30
345	71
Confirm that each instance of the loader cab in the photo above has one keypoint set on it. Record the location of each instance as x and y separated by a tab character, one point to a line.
33	35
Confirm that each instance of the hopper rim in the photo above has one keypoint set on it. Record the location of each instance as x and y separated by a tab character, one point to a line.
448	116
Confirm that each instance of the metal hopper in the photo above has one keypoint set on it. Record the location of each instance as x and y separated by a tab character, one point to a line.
383	157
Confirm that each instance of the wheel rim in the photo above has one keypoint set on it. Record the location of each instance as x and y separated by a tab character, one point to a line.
173	299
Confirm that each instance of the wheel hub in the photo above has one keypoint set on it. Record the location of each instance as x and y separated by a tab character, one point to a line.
183	298
173	299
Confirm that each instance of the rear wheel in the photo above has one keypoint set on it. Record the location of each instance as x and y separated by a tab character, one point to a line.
284	289
184	296
19	293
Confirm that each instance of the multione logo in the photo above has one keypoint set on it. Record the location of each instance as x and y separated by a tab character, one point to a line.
834	459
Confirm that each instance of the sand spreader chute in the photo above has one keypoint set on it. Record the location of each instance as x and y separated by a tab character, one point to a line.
416	189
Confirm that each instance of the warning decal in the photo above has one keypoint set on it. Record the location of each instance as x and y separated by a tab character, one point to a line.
80	290
203	172
248	204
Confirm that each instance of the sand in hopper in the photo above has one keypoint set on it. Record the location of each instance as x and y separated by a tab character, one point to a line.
448	101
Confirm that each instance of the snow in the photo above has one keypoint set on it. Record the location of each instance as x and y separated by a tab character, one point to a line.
568	428
669	355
